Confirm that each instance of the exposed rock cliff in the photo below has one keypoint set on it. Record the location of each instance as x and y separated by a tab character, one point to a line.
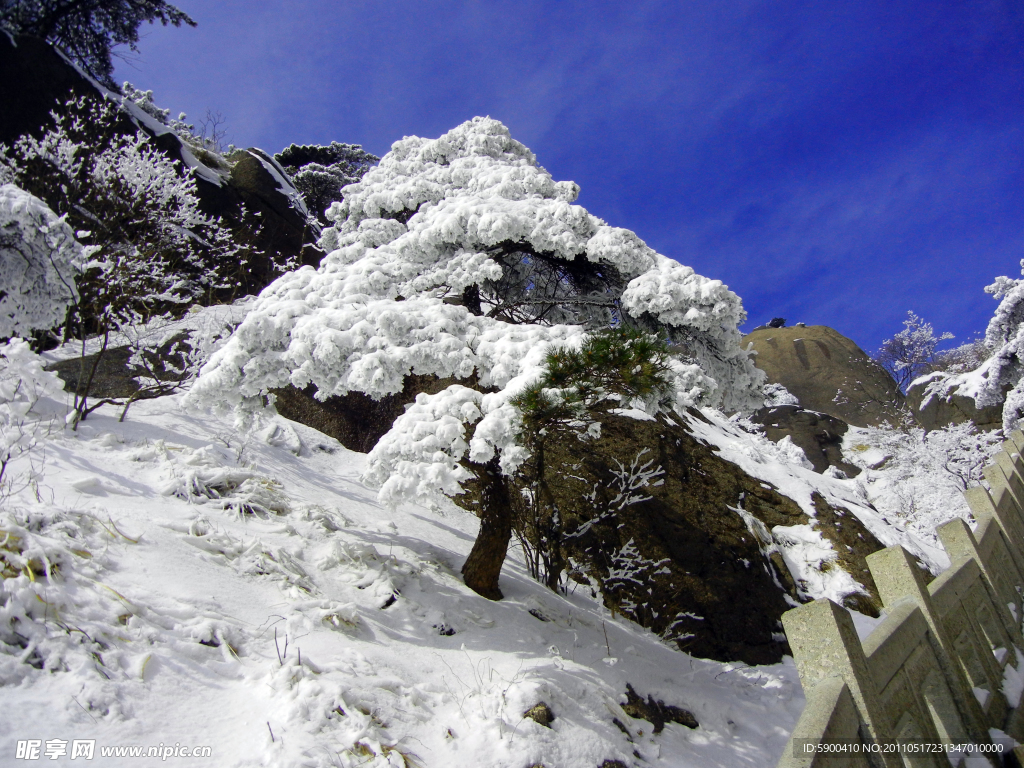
827	372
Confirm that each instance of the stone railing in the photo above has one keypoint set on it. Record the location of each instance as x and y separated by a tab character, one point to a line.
933	669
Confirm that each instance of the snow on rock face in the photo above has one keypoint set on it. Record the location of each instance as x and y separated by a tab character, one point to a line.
1000	378
285	188
461	257
825	552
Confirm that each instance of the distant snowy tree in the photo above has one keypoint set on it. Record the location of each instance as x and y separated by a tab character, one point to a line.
320	172
911	352
151	248
1000	377
461	257
40	260
88	30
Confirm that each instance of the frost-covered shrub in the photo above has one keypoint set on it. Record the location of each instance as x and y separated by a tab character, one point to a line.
917	478
54	616
39	263
620	573
166	354
962	358
150	246
23	382
911	352
202	476
461	257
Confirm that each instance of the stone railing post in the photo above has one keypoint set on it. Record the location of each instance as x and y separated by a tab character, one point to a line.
959	541
982	504
825	645
897	577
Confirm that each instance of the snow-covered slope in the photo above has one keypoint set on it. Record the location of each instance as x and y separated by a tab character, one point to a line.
167	581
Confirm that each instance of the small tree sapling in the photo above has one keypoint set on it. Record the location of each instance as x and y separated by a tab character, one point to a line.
611	369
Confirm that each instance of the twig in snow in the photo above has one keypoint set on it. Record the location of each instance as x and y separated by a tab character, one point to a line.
277	648
84	709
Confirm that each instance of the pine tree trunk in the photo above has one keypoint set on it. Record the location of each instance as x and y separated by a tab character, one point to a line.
483	566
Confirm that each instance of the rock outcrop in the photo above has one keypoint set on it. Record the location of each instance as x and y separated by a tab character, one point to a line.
941	411
698	560
828	373
818	434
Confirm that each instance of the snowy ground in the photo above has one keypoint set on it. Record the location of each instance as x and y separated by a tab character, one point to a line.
211	590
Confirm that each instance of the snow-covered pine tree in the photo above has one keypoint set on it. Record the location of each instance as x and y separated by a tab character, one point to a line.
461	257
611	368
320	172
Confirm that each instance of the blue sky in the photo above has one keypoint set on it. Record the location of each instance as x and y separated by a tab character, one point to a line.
835	163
